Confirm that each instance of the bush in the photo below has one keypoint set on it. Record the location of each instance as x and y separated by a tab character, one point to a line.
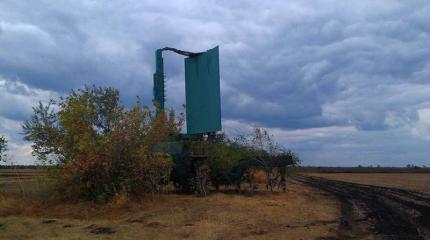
223	159
100	148
232	162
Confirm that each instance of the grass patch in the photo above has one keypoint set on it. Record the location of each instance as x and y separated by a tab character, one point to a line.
227	215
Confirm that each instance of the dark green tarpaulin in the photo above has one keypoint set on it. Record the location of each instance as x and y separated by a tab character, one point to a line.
202	86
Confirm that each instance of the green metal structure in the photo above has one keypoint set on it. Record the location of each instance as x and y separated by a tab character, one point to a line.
202	89
159	89
203	112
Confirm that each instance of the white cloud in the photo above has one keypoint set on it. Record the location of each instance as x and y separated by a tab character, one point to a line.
17	98
16	102
315	134
422	126
375	107
11	32
18	151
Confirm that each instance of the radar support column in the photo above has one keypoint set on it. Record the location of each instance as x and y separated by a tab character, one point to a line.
159	89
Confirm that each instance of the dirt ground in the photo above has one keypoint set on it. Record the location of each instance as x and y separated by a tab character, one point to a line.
369	210
301	213
316	206
409	181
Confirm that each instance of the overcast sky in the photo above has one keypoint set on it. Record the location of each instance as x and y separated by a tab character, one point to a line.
339	82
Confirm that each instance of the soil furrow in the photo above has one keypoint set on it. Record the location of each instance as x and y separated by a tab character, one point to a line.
388	212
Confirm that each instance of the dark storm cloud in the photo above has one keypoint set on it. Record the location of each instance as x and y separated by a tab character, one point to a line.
328	56
290	66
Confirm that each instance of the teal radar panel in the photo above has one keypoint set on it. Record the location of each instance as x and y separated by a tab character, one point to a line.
202	91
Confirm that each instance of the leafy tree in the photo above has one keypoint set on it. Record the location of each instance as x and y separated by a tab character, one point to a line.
101	149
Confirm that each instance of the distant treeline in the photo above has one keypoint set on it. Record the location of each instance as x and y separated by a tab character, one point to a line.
312	169
18	166
364	169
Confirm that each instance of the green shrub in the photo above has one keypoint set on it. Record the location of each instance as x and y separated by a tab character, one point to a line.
100	148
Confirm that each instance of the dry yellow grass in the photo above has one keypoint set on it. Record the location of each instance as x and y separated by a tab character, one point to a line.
408	181
301	213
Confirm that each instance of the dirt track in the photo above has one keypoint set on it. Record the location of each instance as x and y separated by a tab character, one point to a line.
372	211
